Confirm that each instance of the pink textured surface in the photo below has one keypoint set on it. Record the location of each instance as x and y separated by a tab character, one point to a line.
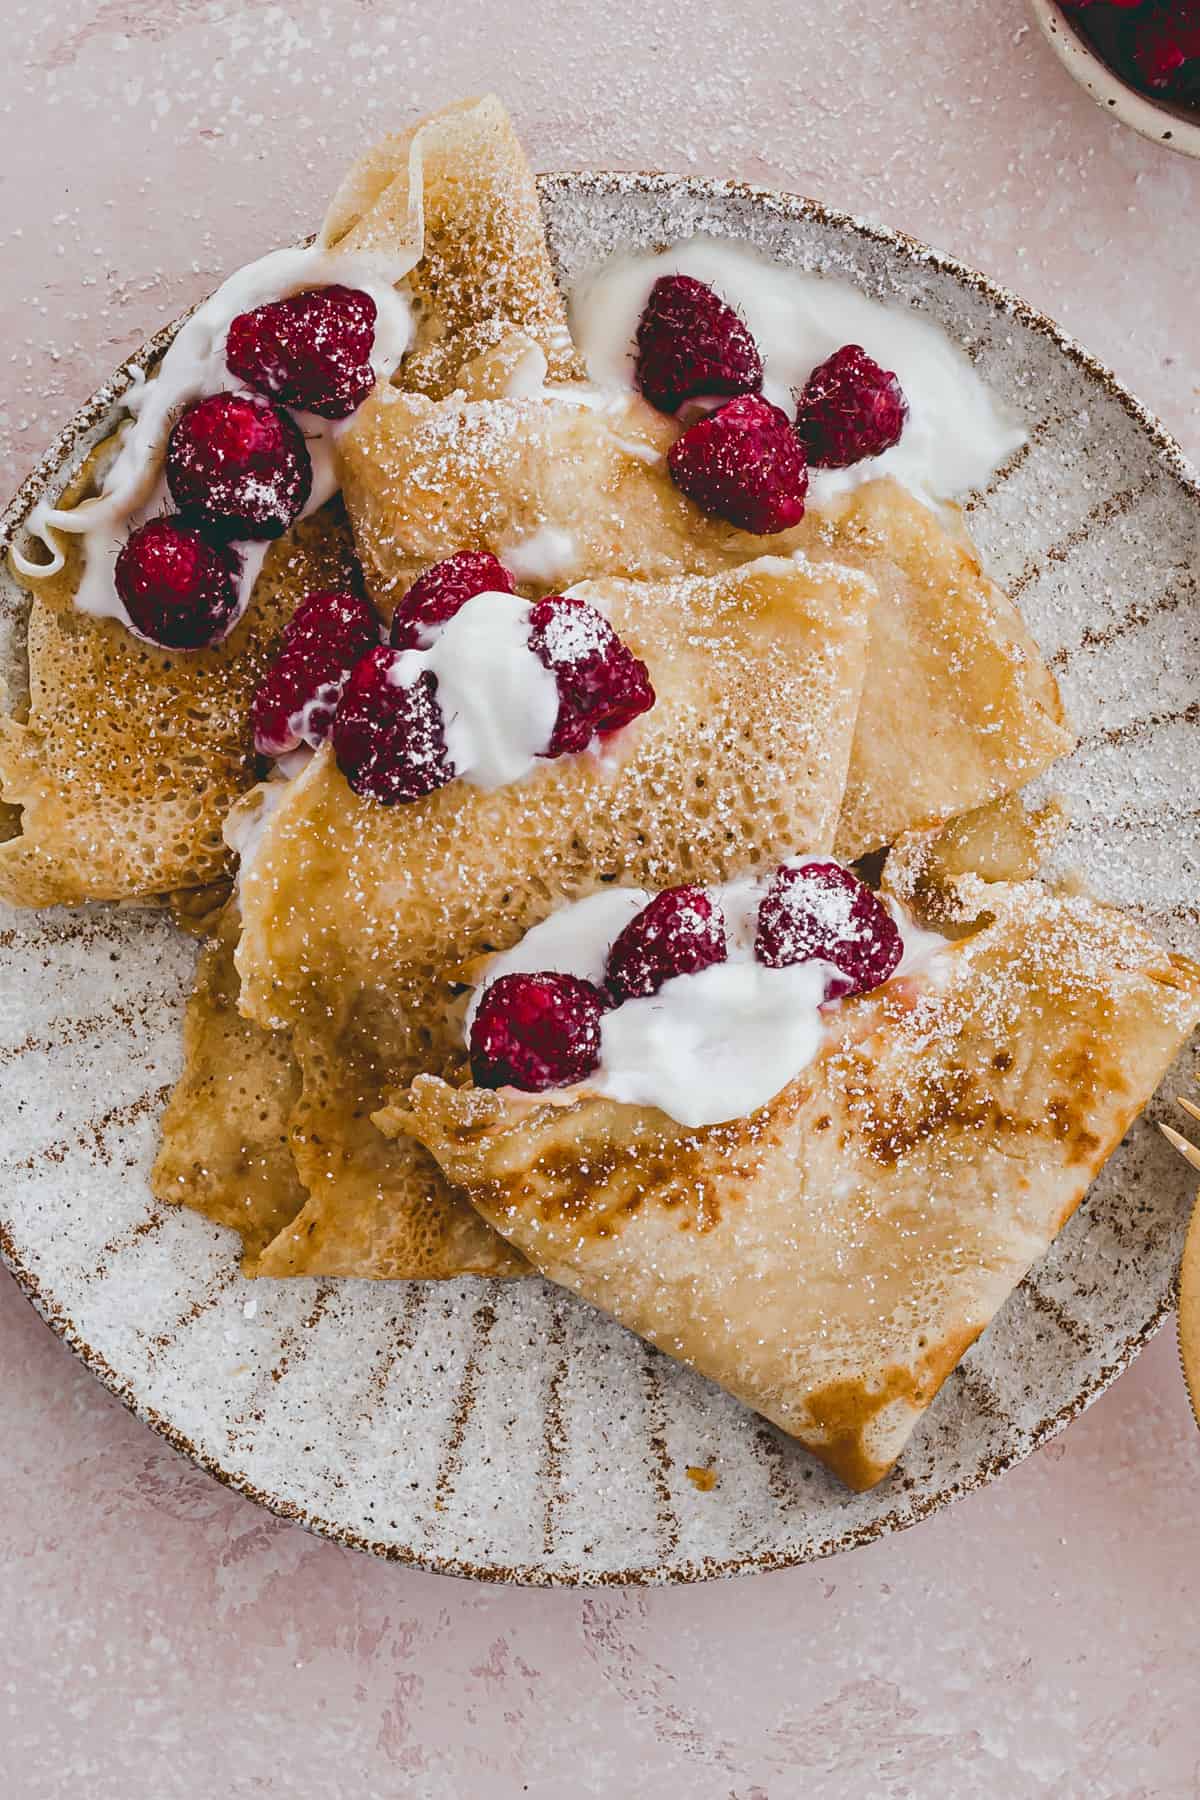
159	1636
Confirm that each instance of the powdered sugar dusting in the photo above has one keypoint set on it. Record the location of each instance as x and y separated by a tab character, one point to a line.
1116	603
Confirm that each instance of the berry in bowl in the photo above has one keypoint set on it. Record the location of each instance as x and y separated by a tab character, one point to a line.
1139	59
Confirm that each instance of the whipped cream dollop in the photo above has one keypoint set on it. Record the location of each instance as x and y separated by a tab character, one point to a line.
544	557
499	701
706	1047
957	433
133	487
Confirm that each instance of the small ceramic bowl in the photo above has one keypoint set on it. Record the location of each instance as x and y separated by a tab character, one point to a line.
1162	121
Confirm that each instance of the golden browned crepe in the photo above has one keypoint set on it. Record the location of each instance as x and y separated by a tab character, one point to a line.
829	1259
1004	841
126	757
484	271
958	707
129	756
352	913
226	1148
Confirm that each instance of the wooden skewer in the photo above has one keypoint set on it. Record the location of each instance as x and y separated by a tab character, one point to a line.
1188	1151
1190	1108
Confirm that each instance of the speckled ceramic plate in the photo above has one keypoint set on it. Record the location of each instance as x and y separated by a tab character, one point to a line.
503	1430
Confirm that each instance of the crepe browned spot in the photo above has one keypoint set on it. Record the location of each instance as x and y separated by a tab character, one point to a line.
117	774
829	1259
353	913
958	707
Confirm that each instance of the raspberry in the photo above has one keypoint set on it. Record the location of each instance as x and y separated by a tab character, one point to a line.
438	594
691	343
312	351
238	464
179	590
822	912
745	464
389	740
680	932
536	1031
1164	41
297	697
601	684
850	408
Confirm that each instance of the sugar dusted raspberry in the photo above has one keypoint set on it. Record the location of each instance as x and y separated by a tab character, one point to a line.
680	932
536	1031
239	464
389	739
601	684
850	409
438	594
746	464
822	912
312	350
690	342
1164	41
178	589
297	697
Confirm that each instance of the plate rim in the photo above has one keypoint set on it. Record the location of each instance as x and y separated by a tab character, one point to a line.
50	466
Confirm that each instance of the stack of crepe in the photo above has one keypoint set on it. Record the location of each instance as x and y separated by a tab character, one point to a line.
828	1259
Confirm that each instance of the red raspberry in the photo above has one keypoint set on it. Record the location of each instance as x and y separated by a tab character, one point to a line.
438	594
312	351
179	590
680	932
536	1031
823	912
850	408
297	697
238	464
690	342
601	684
390	741
745	464
1164	41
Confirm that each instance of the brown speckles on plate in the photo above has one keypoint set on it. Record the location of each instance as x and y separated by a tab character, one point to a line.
503	1431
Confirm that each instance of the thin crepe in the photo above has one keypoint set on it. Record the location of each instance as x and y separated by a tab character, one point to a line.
354	916
958	707
829	1259
126	758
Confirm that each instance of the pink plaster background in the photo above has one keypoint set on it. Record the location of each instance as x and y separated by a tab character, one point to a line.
160	1637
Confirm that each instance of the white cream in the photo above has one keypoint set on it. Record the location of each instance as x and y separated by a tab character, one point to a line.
707	1047
499	702
544	557
957	434
133	487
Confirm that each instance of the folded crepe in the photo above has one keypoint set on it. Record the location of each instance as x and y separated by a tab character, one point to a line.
958	707
226	1147
124	758
352	913
829	1259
